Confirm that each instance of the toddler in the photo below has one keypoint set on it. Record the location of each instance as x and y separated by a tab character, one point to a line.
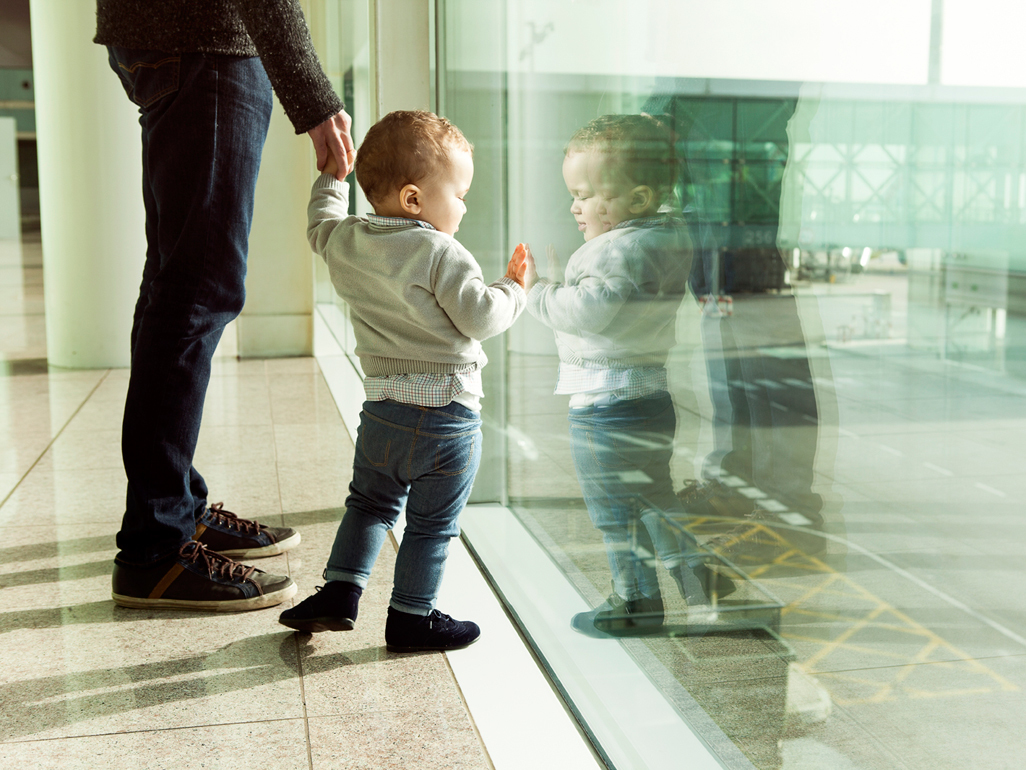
419	308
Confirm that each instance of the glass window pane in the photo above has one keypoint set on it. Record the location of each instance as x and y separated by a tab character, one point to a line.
759	433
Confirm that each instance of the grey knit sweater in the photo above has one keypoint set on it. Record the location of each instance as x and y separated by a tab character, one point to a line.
618	306
274	30
417	298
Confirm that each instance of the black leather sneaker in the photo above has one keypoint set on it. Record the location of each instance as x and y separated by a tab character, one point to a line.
405	632
224	532
197	578
332	608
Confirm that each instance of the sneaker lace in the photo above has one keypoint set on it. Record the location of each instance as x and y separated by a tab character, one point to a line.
230	520
215	563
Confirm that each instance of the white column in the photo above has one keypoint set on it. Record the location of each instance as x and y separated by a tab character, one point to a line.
10	205
90	173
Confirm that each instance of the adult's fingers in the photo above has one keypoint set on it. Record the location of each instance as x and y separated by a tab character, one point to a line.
333	136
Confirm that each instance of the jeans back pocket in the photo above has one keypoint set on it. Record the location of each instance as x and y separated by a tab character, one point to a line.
455	456
146	76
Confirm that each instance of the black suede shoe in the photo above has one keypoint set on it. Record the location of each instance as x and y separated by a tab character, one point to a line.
621	617
198	579
224	532
332	608
405	632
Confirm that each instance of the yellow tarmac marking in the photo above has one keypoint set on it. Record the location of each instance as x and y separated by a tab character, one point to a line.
936	668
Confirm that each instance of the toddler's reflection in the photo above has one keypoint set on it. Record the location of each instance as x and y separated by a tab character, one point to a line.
613	315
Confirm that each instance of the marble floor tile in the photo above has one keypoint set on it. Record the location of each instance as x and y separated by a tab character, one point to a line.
84	450
298	365
314	486
230	444
397	740
237	401
55	565
133	670
252	491
279	743
323	443
227	366
20	450
301	399
67	497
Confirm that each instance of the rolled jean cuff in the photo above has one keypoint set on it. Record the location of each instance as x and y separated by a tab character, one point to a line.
409	609
349	577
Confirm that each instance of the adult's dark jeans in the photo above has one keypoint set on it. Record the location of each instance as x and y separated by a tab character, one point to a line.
204	119
765	405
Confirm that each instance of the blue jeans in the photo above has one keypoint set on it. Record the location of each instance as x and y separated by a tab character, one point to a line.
204	119
425	458
622	456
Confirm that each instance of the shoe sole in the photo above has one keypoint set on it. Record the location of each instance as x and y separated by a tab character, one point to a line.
643	627
317	625
430	647
273	549
231	605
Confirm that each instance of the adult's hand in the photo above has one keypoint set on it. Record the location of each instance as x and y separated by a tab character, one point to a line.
332	137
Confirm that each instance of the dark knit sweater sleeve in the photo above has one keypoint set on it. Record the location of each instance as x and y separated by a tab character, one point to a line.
275	30
279	32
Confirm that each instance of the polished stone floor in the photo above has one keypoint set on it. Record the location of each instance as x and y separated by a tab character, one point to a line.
85	684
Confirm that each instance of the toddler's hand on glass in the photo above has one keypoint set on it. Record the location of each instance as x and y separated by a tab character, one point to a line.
517	266
555	273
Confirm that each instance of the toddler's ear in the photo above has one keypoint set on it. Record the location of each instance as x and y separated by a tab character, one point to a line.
642	198
409	199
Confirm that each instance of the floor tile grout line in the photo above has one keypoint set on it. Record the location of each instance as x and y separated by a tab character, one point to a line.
302	697
52	440
120	733
288	562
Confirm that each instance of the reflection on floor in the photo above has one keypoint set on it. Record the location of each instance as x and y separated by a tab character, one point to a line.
902	639
86	684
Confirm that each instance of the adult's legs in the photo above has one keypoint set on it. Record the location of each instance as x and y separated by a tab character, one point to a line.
775	416
204	119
